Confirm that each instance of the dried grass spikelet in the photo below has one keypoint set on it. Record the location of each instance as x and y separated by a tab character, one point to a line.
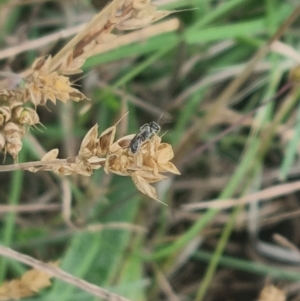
13	95
142	15
44	85
5	115
89	144
13	134
105	141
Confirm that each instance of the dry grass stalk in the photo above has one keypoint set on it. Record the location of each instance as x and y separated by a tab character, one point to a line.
48	78
263	195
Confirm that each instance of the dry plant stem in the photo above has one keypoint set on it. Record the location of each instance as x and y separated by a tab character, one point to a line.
275	219
41	42
165	285
29	208
67	202
262	195
60	274
222	76
121	226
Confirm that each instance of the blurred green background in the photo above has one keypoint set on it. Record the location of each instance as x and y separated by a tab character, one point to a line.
141	249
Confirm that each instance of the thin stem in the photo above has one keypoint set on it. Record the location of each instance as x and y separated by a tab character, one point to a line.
60	274
37	164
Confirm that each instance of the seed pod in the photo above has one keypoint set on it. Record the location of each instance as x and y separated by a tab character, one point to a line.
14	148
26	116
15	104
13	135
2	141
12	132
5	115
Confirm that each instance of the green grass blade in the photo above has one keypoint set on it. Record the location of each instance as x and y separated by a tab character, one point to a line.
10	218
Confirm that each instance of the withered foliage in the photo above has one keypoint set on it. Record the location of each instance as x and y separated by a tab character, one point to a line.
48	77
144	168
32	282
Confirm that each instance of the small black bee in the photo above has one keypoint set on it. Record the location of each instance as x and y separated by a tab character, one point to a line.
145	133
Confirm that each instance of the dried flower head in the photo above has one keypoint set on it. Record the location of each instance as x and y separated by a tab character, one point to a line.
145	167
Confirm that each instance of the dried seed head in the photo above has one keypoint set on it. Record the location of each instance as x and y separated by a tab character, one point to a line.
15	104
52	86
144	167
13	132
14	148
26	116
